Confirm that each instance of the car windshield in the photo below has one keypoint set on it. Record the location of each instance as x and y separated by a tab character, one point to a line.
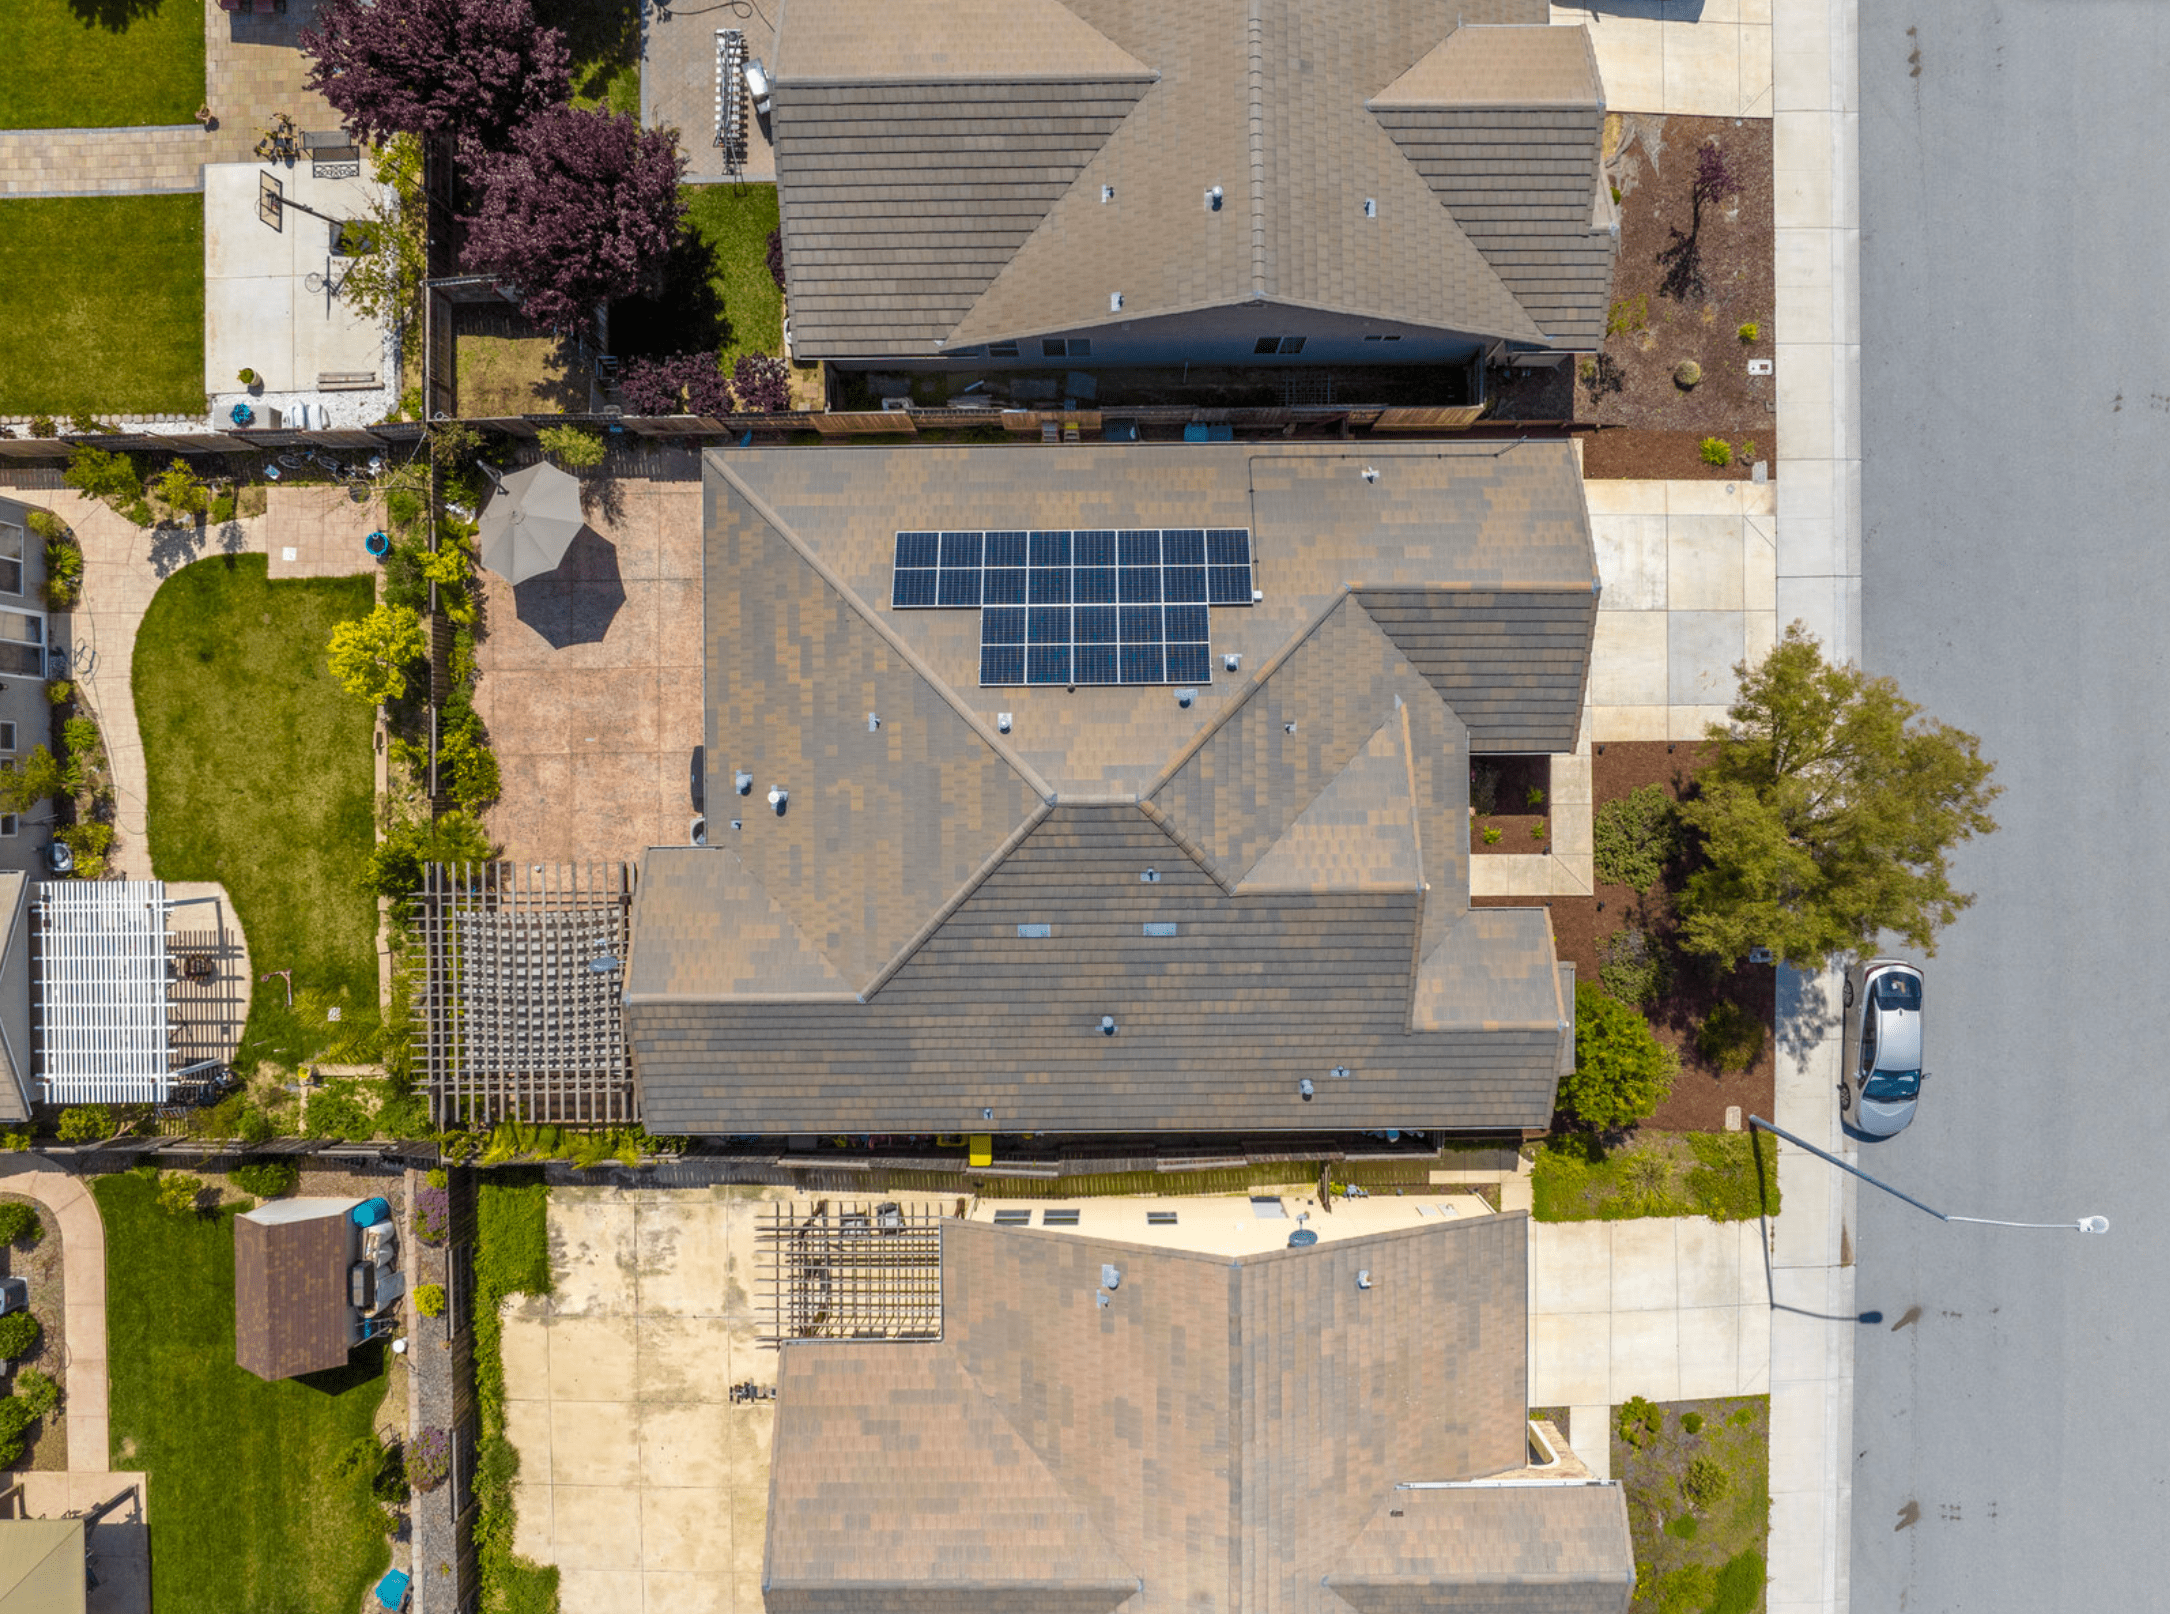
1887	1085
1895	990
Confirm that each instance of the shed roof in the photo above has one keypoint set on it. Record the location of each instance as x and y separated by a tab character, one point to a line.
1214	1433
953	175
290	1287
41	1566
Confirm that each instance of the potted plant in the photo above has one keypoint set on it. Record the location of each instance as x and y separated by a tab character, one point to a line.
203	116
250	379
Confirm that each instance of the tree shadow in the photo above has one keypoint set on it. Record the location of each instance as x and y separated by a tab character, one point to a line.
175	546
114	16
576	603
684	315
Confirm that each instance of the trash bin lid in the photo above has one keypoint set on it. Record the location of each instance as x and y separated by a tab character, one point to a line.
1302	1239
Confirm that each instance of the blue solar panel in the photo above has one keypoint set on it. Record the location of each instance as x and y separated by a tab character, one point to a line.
1092	606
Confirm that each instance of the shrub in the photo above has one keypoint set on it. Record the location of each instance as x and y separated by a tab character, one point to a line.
1706	1481
1729	1037
60	691
15	1421
1622	1072
395	864
19	1224
1538	830
1717	451
776	257
1536	798
1750	332
429	1299
1692	1422
432	1214
1484	788
1739	1585
97	474
1632	966
762	383
178	487
178	1192
86	1123
438	1177
1629	314
36	778
90	841
1635	837
466	766
429	1459
43	426
571	447
1687	375
1639	1421
266	1179
63	572
18	1336
38	1390
255	1126
1682	1528
1493	834
223	505
140	513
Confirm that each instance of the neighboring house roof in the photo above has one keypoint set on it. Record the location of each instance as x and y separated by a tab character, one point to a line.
15	1052
1223	1434
856	962
953	174
41	1567
290	1287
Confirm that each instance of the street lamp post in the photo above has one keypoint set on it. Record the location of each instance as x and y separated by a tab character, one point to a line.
2086	1224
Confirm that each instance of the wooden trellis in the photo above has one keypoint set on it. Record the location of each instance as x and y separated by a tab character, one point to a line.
852	1271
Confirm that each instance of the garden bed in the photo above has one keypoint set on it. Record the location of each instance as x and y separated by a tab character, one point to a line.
1703	1092
46	1448
1698	1488
1726	1176
1511	795
105	303
260	777
1660	317
255	1512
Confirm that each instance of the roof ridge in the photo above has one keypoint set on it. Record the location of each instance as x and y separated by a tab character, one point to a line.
1255	44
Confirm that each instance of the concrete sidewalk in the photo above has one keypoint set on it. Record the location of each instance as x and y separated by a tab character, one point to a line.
1698	58
82	1254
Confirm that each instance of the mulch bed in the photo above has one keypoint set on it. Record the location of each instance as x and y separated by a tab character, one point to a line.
1702	1093
1512	779
1659	321
47	1448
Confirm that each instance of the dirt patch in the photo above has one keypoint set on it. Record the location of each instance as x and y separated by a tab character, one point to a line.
1682	291
47	1448
1511	795
1580	925
505	366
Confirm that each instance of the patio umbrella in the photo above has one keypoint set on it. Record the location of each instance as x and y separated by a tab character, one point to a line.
531	521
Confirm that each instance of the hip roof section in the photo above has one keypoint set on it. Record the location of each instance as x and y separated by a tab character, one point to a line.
957	175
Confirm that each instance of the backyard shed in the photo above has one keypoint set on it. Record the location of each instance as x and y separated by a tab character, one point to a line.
292	1311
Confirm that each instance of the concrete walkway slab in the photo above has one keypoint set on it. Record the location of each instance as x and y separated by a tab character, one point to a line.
1700	58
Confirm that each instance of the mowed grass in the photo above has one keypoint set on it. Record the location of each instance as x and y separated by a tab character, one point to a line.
93	64
733	222
251	1514
104	300
261	777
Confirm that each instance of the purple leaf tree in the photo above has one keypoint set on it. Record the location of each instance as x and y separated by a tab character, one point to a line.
762	382
684	383
471	68
583	208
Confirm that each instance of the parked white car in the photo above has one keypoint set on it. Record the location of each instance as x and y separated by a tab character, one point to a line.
1881	1073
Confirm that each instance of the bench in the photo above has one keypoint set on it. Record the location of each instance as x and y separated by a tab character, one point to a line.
346	380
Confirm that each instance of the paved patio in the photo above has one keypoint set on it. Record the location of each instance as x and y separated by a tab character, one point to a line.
638	1477
1702	58
678	83
591	683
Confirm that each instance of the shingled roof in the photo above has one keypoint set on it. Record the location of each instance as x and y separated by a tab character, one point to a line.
1231	1435
1262	884
955	172
290	1287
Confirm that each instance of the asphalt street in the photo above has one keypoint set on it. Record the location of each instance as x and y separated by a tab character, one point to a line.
2012	1408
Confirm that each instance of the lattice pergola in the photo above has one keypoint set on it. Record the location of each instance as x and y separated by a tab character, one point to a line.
851	1270
519	995
104	993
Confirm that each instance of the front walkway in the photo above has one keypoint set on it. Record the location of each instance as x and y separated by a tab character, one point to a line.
82	1254
1698	58
251	70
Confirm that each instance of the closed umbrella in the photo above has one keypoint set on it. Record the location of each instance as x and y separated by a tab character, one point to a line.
531	521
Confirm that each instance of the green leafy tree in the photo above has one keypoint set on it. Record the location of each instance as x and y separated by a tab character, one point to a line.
1828	814
38	778
177	1193
86	1123
395	866
385	282
19	1224
97	474
1622	1072
181	490
38	1390
571	447
371	655
266	1179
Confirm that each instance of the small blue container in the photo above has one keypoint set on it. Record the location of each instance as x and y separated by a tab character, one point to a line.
370	1212
379	544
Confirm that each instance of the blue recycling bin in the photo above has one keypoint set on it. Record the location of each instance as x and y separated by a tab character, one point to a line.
379	544
242	415
370	1212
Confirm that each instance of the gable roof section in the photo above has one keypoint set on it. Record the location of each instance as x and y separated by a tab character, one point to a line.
883	829
1503	123
1229	1427
290	1293
944	171
1360	832
703	927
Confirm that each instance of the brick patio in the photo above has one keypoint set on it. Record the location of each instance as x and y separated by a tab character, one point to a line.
591	684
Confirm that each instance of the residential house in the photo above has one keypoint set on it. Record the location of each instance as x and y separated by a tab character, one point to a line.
1104	1425
1128	182
1100	789
313	1278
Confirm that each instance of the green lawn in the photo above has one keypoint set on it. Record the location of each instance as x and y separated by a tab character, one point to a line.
603	37
90	64
261	777
1727	1176
105	303
251	1515
717	292
512	1257
1698	1489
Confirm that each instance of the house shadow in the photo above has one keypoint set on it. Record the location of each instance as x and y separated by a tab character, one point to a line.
576	603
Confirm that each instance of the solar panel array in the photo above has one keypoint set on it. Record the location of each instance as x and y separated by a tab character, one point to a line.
1092	606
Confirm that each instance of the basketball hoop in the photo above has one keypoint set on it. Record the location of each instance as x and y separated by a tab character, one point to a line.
270	200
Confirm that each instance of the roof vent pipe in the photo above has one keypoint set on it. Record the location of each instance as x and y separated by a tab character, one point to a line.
779	798
1213	199
1107	1025
1304	1087
744	781
1363	1278
873	723
1110	1277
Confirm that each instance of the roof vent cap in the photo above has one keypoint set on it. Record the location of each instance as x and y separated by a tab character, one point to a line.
1363	1278
1371	473
1107	1025
1213	199
1340	1073
1115	302
1107	193
1150	877
1371	207
1305	1089
1183	697
1002	722
1110	1277
779	798
744	781
1232	660
873	723
1288	728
